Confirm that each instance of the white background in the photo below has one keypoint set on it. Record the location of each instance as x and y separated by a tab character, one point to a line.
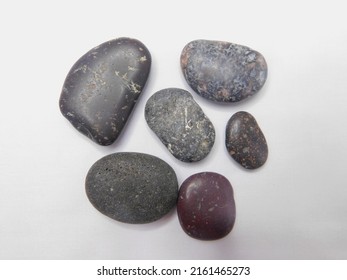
294	207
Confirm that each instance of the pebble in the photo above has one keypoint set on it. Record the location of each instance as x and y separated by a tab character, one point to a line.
245	141
132	188
222	71
103	86
180	124
206	207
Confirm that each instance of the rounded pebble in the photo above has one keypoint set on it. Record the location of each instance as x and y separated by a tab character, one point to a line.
132	188
102	87
245	141
222	71
180	124
206	207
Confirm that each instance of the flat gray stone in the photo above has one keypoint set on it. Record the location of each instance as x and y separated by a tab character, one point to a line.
180	124
102	87
132	187
245	141
222	71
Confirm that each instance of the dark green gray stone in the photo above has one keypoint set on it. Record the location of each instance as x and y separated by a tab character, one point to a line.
132	187
101	89
222	71
180	124
245	141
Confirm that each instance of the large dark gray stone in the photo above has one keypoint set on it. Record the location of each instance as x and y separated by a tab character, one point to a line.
103	86
132	187
222	71
245	141
180	124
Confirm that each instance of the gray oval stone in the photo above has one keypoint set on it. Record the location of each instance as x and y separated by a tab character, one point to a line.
180	124
132	187
245	141
103	86
222	71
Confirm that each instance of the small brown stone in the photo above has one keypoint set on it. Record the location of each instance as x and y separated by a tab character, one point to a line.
245	141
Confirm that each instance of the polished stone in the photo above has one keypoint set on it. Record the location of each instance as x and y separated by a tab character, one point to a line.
180	124
206	207
102	87
132	187
245	141
222	71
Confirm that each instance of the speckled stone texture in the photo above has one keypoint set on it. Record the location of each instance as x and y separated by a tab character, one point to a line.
132	187
206	207
180	124
245	141
222	71
103	86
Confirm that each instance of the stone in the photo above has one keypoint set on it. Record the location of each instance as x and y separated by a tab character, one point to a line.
245	141
206	207
102	87
222	71
132	188
180	124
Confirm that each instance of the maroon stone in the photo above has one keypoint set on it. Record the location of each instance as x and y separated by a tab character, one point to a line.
206	206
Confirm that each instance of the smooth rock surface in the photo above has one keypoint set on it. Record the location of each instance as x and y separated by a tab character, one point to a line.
132	187
180	124
103	86
245	141
222	71
206	207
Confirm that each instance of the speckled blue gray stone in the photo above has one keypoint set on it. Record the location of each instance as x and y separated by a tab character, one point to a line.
103	86
245	141
180	124
222	71
132	187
